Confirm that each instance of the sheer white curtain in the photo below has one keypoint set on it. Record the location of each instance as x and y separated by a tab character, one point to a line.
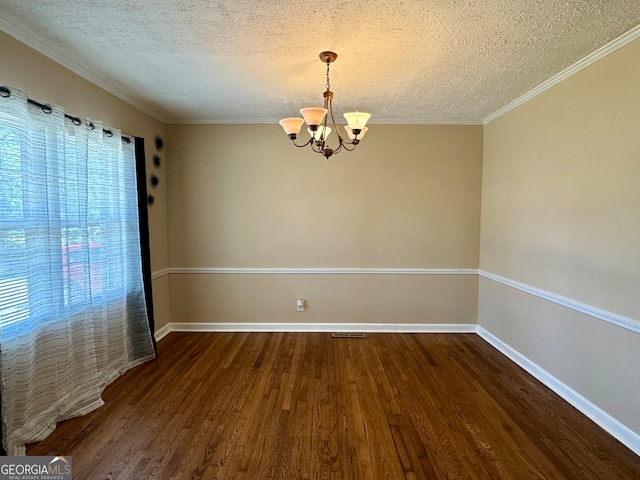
72	305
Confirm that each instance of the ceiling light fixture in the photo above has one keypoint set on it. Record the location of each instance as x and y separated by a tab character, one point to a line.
316	118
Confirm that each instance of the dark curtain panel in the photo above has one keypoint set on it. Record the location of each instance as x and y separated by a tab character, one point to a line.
143	215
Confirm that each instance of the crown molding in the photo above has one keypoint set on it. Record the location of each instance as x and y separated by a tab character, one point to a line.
220	121
274	121
38	44
590	59
405	121
41	46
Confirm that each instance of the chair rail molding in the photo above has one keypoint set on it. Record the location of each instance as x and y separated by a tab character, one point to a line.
610	317
326	271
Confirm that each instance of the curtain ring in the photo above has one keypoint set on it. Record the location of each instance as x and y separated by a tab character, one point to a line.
76	121
126	139
108	133
46	108
91	125
5	92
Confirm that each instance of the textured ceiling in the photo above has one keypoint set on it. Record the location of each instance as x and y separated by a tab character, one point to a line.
255	61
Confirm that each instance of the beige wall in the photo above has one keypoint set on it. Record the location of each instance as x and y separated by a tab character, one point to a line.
243	197
561	212
47	81
270	298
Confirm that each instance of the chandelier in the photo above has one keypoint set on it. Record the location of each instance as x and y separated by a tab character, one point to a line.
318	122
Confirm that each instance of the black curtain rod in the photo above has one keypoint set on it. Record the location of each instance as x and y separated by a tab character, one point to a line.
6	93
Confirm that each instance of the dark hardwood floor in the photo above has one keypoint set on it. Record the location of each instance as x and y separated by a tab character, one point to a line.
307	406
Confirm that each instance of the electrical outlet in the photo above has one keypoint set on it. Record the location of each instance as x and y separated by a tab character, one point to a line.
300	305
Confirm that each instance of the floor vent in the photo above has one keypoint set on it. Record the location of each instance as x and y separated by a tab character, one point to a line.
348	335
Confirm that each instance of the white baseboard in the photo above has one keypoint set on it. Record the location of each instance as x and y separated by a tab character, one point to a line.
162	332
319	327
616	429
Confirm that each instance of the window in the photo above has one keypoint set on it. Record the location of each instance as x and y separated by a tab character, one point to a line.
64	220
14	300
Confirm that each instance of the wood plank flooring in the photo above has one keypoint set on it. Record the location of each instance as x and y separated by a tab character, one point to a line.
308	406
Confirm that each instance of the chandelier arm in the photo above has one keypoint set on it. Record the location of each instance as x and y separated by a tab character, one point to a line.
340	146
333	121
327	105
344	145
354	142
303	145
329	100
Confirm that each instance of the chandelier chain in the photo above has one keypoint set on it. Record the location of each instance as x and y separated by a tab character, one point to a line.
328	86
